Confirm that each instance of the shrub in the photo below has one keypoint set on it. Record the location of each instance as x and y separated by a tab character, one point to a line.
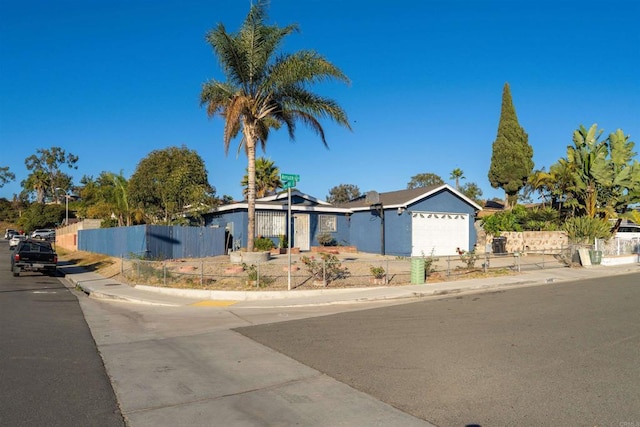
326	239
501	221
327	269
283	243
584	229
263	244
428	263
468	257
377	272
254	276
522	219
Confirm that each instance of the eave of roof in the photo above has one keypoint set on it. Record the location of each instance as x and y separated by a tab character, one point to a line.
404	198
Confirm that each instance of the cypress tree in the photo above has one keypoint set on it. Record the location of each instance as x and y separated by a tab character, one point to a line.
512	157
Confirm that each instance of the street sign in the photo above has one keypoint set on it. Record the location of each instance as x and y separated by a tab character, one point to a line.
289	177
288	184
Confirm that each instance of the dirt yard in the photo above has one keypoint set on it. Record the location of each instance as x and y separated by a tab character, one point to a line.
218	273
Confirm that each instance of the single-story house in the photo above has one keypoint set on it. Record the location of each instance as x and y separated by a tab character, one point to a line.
311	218
434	220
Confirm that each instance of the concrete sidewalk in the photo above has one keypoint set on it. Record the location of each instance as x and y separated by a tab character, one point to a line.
97	286
187	366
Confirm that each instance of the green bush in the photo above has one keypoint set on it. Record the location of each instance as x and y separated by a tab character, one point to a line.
585	230
326	239
522	219
327	269
263	244
254	276
377	272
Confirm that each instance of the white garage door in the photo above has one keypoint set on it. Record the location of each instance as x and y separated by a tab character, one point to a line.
439	233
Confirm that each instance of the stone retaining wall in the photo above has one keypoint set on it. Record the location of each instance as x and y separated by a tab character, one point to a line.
526	241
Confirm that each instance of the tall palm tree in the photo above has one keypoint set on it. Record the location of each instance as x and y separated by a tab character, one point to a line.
267	178
266	89
120	198
457	174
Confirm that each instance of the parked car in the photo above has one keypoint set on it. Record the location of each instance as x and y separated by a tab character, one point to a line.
44	234
628	231
17	238
34	255
10	233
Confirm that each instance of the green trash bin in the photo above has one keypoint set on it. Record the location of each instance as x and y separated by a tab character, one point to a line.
596	257
417	271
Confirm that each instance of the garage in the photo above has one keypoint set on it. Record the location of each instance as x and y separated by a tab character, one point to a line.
438	233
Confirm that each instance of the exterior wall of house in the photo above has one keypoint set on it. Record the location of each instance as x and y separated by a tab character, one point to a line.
240	224
238	231
366	232
341	235
445	201
365	225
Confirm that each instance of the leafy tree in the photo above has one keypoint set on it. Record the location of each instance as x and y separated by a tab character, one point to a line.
424	180
343	193
107	198
266	89
5	175
7	211
538	182
168	182
267	178
39	215
46	178
601	176
472	191
512	157
457	174
226	199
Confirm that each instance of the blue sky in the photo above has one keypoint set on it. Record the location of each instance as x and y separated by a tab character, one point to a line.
111	81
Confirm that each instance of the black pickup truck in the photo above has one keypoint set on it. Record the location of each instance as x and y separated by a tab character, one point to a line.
34	255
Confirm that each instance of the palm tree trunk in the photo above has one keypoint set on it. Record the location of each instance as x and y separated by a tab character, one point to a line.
251	185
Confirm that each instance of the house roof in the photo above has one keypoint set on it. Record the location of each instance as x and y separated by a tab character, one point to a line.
279	202
283	197
390	200
404	198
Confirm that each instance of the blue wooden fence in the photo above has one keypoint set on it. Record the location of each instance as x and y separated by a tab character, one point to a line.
154	241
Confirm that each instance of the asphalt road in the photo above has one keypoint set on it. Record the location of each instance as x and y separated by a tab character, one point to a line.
562	354
50	371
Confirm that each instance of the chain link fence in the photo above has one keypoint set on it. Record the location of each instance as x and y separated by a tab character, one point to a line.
619	246
348	271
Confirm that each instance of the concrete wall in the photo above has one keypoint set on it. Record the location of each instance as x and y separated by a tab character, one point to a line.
67	236
526	241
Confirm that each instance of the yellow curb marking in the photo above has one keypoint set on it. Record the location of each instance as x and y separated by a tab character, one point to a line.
213	303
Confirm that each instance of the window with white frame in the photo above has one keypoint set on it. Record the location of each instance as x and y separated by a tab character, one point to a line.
328	223
270	224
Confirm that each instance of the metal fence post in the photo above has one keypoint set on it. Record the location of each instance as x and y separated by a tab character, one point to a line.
448	266
324	271
258	274
164	273
201	272
386	272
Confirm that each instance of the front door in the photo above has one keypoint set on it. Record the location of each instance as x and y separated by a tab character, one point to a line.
301	232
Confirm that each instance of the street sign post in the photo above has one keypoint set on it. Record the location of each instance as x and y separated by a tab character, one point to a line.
289	181
290	177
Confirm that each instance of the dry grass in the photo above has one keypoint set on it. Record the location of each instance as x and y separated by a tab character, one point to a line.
102	264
